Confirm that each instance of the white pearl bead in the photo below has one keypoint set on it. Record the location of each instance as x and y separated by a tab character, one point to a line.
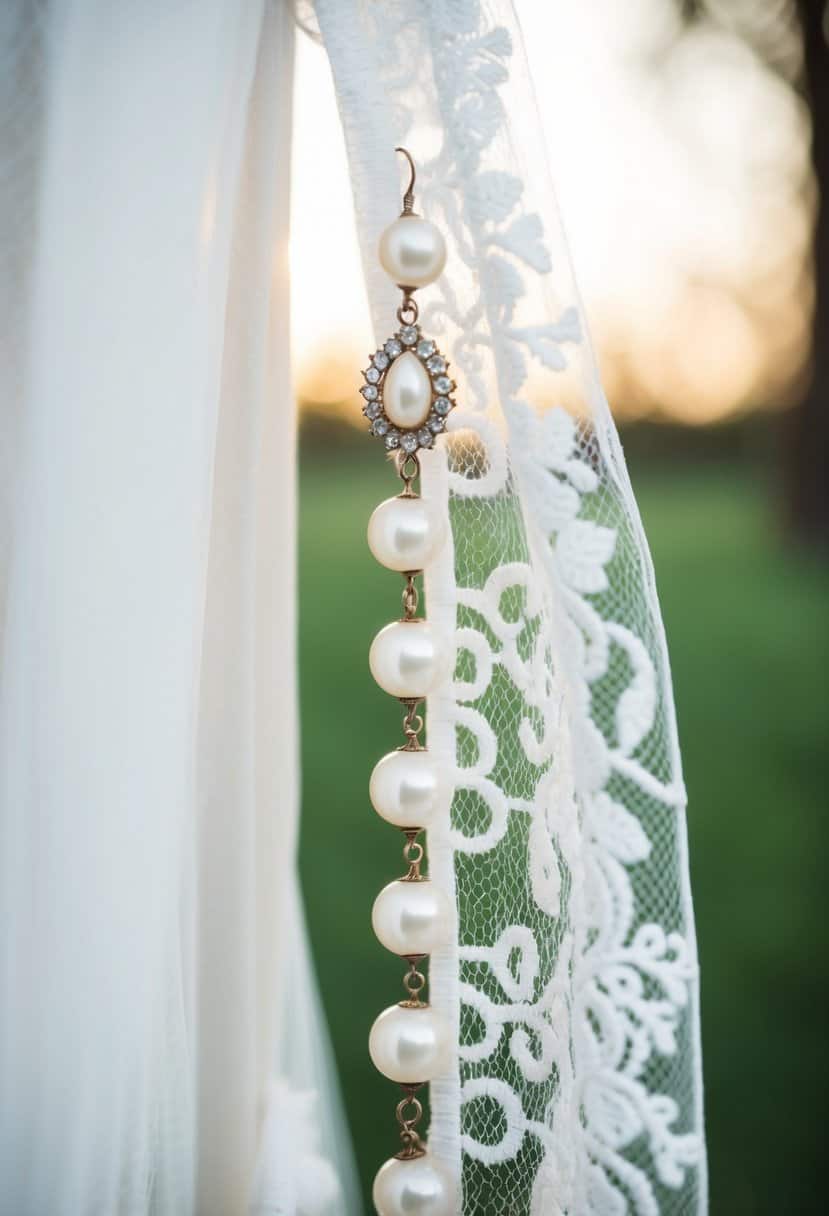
412	251
407	659
409	1045
404	533
419	1187
407	392
406	789
411	917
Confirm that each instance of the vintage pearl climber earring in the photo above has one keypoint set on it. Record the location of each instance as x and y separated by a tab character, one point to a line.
407	397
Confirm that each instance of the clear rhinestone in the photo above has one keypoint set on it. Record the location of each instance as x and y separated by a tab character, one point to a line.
369	392
381	360
392	440
392	348
443	384
372	409
379	426
436	364
425	437
435	425
408	442
372	375
408	335
442	405
426	348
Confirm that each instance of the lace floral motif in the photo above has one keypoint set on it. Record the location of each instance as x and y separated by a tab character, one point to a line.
581	1024
566	1043
579	1086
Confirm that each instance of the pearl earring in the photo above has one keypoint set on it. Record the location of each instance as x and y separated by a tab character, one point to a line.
408	395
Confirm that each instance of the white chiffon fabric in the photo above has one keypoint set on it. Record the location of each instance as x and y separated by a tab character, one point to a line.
159	1032
161	1047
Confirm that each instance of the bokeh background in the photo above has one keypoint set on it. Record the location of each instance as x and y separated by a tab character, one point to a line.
690	146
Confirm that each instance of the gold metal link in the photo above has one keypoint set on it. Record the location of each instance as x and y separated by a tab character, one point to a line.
408	312
414	982
408	470
413	854
409	1112
412	725
410	595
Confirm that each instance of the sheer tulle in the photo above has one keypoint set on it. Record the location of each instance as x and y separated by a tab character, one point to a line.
147	711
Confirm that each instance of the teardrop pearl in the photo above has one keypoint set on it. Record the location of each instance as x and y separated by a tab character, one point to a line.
406	788
420	1187
412	251
411	917
405	533
407	659
409	1046
407	392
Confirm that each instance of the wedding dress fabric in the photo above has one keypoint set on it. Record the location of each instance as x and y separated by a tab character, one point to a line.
572	979
161	1048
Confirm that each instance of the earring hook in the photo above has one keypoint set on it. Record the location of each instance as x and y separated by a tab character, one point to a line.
408	197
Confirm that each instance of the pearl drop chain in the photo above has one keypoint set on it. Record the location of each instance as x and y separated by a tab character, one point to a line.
407	399
409	1042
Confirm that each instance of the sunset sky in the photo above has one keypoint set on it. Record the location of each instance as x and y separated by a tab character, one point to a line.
681	164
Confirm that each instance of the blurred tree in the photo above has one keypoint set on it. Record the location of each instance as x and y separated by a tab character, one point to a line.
809	450
801	57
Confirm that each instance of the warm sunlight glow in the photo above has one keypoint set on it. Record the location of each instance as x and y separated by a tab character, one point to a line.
331	328
681	161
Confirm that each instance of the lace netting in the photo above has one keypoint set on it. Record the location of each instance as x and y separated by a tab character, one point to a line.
572	982
573	960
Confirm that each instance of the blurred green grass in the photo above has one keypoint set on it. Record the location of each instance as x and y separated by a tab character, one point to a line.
746	620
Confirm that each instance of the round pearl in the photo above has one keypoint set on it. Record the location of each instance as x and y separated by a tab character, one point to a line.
409	1046
419	1187
405	789
407	392
412	251
407	659
411	917
404	533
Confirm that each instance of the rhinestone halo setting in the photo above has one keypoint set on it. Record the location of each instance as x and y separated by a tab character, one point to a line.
408	338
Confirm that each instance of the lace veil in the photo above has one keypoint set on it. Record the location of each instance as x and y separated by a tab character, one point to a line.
159	1033
572	980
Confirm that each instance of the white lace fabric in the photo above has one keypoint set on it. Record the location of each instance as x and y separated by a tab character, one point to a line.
572	981
156	1055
